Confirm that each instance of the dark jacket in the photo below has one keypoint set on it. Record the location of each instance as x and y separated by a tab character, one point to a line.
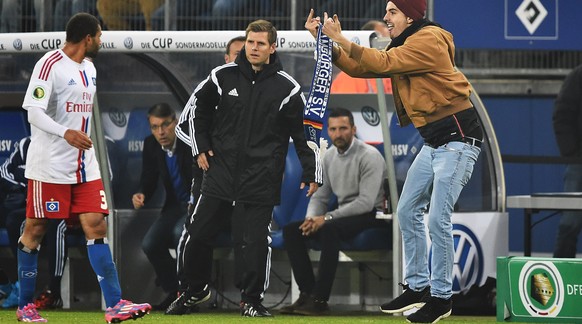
13	184
12	170
154	166
568	115
246	119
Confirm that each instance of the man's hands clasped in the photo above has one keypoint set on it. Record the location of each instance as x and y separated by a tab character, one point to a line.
312	225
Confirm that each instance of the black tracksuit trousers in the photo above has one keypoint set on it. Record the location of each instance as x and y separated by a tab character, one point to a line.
250	235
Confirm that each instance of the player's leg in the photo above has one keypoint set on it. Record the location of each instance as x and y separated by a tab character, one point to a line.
89	202
27	252
28	247
44	201
95	228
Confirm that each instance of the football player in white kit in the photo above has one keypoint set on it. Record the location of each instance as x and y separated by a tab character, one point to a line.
64	181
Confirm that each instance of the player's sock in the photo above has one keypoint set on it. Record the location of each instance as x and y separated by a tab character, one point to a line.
102	263
27	271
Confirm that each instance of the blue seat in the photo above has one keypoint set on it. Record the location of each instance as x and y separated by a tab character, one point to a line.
3	237
293	200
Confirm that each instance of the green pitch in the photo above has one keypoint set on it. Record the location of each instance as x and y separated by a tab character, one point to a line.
224	317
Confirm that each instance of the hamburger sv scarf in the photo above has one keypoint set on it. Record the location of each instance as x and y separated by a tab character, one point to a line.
317	101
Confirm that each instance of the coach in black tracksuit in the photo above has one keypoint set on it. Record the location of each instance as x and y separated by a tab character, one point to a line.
242	117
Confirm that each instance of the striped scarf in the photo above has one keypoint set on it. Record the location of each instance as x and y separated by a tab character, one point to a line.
316	105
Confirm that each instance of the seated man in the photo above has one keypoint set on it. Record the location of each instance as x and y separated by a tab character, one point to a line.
170	160
353	171
13	186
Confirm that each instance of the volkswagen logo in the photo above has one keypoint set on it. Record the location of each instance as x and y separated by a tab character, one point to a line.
117	117
128	43
17	44
371	116
468	263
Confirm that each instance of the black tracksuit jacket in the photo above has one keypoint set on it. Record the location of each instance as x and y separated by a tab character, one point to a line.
246	119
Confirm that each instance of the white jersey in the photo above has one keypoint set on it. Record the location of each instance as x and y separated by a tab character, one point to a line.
65	89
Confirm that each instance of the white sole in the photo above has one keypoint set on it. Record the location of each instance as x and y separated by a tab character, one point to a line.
445	315
403	309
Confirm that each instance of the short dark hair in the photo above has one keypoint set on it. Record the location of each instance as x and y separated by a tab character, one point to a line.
81	25
236	39
262	25
161	110
341	112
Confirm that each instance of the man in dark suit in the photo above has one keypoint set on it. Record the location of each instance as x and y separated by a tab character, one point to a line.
170	160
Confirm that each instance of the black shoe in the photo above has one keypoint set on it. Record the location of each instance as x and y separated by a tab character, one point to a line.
164	304
313	307
254	310
303	297
433	311
407	300
187	301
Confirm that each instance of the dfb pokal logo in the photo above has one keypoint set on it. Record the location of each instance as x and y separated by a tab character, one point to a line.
541	289
468	263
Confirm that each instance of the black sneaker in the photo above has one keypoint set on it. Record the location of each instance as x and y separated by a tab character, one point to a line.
433	311
254	310
299	302
187	301
313	307
164	304
407	300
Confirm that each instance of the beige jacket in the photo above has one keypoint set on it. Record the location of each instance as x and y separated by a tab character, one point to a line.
426	85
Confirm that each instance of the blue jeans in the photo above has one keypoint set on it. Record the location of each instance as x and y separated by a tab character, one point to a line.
571	221
436	177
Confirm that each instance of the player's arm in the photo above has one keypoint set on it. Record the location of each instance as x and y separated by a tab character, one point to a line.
75	138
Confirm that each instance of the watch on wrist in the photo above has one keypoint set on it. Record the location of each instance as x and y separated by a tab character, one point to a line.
327	217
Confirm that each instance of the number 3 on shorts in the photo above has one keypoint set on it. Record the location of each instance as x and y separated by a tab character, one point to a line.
103	199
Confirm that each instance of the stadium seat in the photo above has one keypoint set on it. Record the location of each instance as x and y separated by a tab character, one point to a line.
293	200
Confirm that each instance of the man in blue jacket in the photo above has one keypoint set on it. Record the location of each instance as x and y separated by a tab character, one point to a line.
170	160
